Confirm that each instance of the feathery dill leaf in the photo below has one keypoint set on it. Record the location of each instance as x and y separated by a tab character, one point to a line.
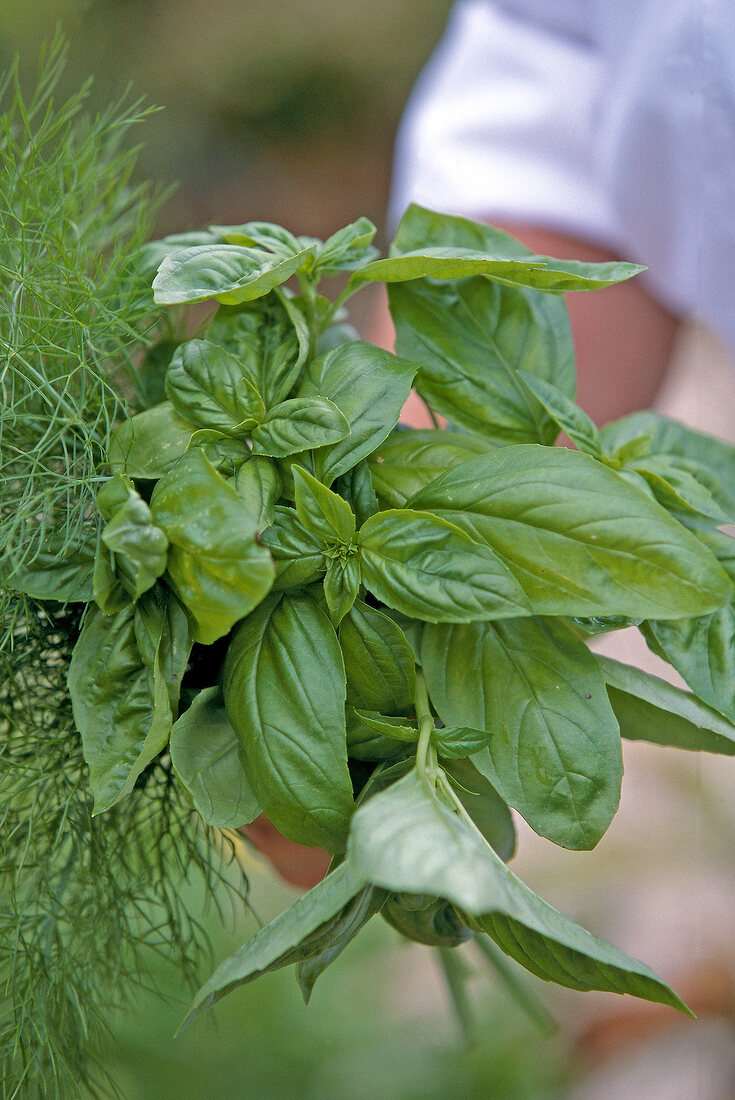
84	902
73	313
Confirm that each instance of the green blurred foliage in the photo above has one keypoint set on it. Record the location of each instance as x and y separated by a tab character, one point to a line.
379	1024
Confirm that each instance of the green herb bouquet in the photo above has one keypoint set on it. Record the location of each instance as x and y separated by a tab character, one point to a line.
233	583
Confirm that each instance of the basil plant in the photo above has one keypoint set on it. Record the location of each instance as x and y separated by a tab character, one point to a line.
377	636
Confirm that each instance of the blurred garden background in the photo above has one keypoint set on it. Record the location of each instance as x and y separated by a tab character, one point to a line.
286	111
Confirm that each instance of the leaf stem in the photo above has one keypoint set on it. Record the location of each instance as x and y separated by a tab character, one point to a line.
426	760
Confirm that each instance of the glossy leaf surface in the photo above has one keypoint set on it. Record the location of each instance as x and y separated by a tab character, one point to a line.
579	539
207	385
427	567
554	746
299	424
284	690
379	664
229	273
215	565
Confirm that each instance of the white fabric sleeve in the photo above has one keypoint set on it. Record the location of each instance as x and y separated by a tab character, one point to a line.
614	122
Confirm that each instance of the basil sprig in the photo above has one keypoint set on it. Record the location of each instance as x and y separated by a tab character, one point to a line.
376	635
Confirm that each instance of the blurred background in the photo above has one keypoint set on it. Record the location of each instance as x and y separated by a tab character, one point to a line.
286	111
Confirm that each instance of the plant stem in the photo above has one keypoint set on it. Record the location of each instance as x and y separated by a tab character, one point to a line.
426	760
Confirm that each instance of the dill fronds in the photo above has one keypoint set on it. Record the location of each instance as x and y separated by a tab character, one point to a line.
84	901
73	314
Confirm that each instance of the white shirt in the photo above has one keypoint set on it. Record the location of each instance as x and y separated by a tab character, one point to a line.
610	119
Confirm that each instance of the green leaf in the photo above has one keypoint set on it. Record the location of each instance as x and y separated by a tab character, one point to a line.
472	248
370	386
406	839
341	585
341	932
229	273
427	567
277	941
347	249
226	454
215	565
554	750
121	708
678	488
300	424
365	742
409	460
297	554
471	340
138	546
149	444
258	484
651	709
207	385
270	340
206	755
325	514
54	573
163	637
436	925
578	538
567	416
484	805
356	487
702	650
457	742
379	663
713	460
284	689
266	235
398	729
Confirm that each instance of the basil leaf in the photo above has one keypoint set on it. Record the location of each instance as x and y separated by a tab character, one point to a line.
379	664
215	566
270	340
364	742
472	248
54	573
353	917
567	416
149	444
713	459
406	839
229	273
207	386
258	485
457	742
395	728
428	568
470	341
206	755
436	925
370	386
651	709
260	234
347	249
278	939
341	585
678	489
299	424
121	710
297	554
138	546
284	690
325	514
407	461
578	538
554	750
162	634
484	805
226	454
356	487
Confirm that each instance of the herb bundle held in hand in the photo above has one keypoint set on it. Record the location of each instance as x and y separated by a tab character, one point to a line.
376	635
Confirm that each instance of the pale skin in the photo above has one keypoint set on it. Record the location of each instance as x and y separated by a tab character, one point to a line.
623	341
